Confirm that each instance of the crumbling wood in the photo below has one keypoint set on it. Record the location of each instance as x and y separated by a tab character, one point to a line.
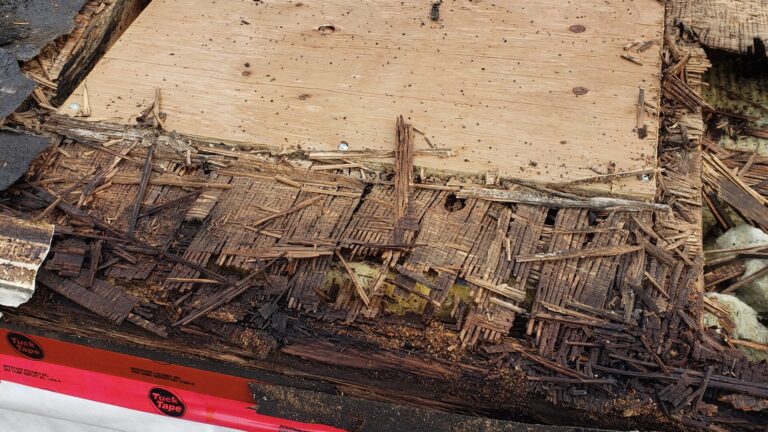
306	203
522	196
583	253
68	257
718	211
699	394
514	346
403	178
192	280
226	295
371	154
168	180
675	89
148	325
723	273
746	281
95	223
103	299
359	288
353	357
602	178
145	173
95	258
118	155
503	289
170	203
716	381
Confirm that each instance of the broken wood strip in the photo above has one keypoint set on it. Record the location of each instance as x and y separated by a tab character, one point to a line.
42	81
109	302
715	169
287	181
656	285
716	381
605	313
61	194
747	280
759	248
506	305
147	325
348	242
609	177
95	258
723	273
116	154
331	154
399	283
654	355
170	203
583	253
359	288
757	133
335	167
75	211
145	173
249	155
658	253
296	252
586	319
169	180
718	211
741	201
529	197
295	208
675	89
308	189
503	289
403	176
561	380
749	344
93	222
511	345
193	280
578	322
632	59
700	392
156	109
227	295
124	255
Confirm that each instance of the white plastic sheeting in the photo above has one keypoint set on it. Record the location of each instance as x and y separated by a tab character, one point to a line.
25	408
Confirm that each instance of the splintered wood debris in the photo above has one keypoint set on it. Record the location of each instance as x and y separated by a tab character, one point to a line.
322	257
580	297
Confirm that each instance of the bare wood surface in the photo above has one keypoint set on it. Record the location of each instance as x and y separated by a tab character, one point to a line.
506	86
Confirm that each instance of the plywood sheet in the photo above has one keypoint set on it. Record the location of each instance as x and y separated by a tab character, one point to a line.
493	81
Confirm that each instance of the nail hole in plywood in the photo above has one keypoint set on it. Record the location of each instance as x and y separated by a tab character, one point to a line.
580	91
326	29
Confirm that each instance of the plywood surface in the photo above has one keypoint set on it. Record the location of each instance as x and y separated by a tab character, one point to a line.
492	81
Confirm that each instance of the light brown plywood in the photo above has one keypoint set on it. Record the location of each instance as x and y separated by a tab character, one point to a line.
494	81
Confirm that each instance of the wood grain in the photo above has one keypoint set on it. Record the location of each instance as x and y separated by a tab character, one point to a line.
495	82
